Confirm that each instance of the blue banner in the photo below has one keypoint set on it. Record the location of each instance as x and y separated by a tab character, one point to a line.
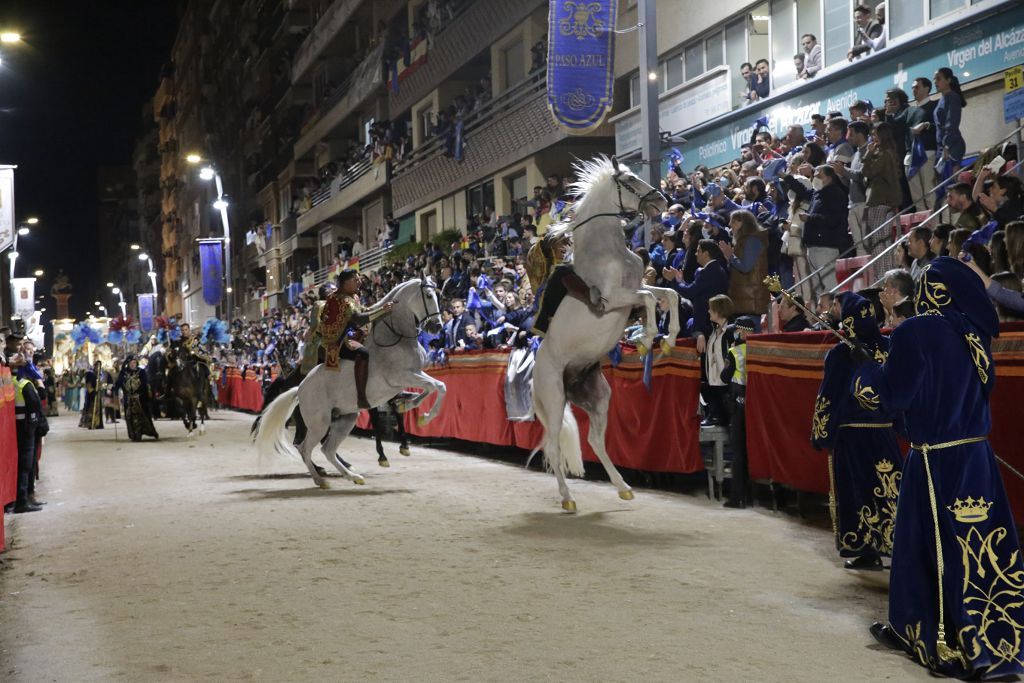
212	270
581	57
146	312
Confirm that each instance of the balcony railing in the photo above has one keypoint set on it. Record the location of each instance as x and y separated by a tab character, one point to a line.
368	261
354	173
511	99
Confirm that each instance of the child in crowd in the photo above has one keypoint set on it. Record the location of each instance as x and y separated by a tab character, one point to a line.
736	367
715	387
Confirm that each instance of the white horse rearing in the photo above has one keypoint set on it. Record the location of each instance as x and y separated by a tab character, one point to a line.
327	398
568	365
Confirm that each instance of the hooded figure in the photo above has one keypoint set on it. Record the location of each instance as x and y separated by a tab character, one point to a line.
956	593
135	396
864	460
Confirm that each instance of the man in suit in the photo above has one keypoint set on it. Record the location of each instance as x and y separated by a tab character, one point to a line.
711	279
455	329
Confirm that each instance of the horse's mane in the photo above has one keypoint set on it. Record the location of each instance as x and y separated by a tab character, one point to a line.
589	173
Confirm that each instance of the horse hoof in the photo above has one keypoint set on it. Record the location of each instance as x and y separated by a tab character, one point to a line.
320	470
569	506
626	495
404	450
666	348
384	463
325	484
358	481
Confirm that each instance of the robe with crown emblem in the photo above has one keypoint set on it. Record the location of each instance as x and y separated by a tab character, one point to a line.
954	523
864	460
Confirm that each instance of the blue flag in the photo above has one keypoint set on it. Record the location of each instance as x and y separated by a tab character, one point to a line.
212	269
917	157
581	58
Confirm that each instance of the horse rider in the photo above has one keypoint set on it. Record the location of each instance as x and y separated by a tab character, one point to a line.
190	345
313	352
552	278
342	314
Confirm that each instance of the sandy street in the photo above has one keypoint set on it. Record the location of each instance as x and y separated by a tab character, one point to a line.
177	561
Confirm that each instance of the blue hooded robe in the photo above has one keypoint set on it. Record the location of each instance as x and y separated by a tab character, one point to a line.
864	460
955	544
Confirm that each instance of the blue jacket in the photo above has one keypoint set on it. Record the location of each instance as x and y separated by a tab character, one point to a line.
827	223
710	280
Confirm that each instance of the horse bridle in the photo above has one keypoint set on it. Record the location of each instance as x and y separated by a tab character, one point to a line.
623	211
419	322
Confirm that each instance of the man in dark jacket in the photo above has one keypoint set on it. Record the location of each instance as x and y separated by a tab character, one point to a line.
825	225
711	279
791	316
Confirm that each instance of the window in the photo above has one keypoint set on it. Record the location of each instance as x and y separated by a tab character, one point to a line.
284	201
428	221
673	70
936	8
736	54
518	192
904	17
838	30
426	119
713	51
326	248
480	197
515	68
693	57
784	42
808	19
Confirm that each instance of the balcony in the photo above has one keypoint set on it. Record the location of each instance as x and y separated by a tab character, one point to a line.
480	25
320	37
511	127
342	101
164	95
344	191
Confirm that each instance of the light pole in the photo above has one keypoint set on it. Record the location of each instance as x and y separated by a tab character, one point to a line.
151	273
9	38
208	172
121	302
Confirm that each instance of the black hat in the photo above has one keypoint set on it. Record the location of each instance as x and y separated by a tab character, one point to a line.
745	323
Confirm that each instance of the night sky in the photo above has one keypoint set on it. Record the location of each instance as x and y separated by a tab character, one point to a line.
71	98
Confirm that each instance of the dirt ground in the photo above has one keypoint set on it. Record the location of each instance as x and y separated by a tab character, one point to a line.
178	560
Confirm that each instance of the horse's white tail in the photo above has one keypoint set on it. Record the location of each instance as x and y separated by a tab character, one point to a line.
271	436
570	450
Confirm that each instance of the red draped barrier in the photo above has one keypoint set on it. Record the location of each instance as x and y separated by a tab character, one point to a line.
783	374
243	394
8	447
655	432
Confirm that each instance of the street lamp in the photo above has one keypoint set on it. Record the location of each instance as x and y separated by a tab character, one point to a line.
10	37
208	172
22	231
39	272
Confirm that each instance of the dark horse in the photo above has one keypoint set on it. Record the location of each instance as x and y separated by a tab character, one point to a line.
163	404
188	383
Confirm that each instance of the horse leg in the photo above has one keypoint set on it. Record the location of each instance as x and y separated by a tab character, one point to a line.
317	423
430	386
376	419
549	405
341	427
403	439
592	393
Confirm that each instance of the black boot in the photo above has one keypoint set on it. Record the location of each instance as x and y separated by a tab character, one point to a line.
865	563
362	371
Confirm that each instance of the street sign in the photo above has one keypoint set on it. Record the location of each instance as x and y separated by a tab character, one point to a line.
1013	94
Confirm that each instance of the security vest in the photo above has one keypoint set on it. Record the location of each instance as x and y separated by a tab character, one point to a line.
739	355
20	409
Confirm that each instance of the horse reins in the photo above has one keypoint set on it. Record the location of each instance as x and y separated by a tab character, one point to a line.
623	212
416	320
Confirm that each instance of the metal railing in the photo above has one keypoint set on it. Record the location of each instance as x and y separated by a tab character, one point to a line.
866	241
369	261
534	82
901	240
352	174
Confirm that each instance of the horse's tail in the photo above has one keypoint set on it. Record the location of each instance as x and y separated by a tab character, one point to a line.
570	449
270	435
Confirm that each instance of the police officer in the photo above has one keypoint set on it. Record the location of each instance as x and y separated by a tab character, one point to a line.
29	419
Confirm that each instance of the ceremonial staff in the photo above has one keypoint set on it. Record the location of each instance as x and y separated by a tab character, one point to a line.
775	287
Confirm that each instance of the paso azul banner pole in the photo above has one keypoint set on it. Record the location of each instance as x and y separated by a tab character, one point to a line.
211	266
581	62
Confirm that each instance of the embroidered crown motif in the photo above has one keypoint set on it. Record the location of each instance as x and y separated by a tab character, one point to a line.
884	466
970	510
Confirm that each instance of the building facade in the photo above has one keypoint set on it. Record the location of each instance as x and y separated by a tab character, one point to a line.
699	66
328	119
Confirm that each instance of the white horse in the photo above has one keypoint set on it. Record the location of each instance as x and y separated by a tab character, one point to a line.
568	364
327	398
